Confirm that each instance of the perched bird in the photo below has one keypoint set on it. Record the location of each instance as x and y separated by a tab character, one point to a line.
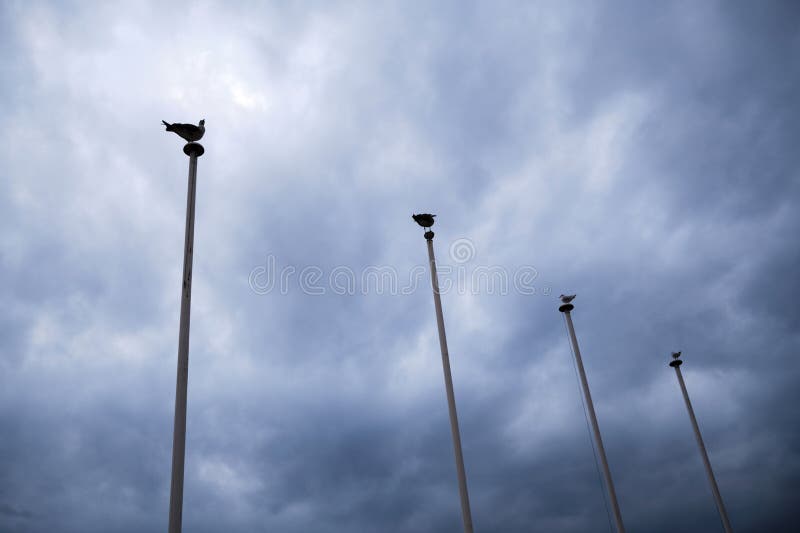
190	132
424	219
567	299
675	355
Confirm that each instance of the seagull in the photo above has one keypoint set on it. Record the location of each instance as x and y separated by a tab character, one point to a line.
424	219
675	355
190	132
567	299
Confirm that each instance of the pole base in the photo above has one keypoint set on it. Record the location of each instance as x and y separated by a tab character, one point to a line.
566	308
194	149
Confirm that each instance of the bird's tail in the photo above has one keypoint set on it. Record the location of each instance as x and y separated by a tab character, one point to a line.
167	124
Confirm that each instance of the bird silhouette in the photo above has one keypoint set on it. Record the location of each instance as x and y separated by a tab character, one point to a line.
190	132
424	219
567	299
675	355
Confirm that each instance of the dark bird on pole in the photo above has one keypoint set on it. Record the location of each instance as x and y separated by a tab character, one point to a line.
424	219
190	132
675	355
567	299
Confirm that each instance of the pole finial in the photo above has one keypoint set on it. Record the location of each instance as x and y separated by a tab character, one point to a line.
566	305
676	360
194	149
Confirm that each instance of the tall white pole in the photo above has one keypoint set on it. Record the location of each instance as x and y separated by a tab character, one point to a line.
612	494
466	513
723	514
193	150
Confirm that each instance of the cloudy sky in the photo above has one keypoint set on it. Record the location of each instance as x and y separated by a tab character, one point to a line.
641	154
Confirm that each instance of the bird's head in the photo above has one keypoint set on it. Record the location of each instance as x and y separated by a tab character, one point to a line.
203	122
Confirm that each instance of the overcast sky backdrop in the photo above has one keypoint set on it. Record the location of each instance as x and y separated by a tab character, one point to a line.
641	154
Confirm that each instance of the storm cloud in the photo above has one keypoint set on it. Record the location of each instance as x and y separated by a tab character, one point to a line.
640	154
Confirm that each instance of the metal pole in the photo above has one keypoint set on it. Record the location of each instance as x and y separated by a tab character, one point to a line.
193	150
612	494
723	514
466	514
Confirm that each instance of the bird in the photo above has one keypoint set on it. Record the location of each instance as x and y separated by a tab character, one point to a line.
424	219
190	132
675	355
567	299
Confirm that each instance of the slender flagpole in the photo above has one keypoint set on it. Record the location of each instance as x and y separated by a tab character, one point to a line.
466	514
723	514
612	494
193	150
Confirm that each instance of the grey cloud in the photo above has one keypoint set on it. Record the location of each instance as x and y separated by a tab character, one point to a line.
639	155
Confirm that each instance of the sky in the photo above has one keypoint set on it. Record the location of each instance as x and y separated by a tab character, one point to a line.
640	154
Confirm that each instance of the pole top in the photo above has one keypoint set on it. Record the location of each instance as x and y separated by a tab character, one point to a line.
194	149
426	221
676	363
566	306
